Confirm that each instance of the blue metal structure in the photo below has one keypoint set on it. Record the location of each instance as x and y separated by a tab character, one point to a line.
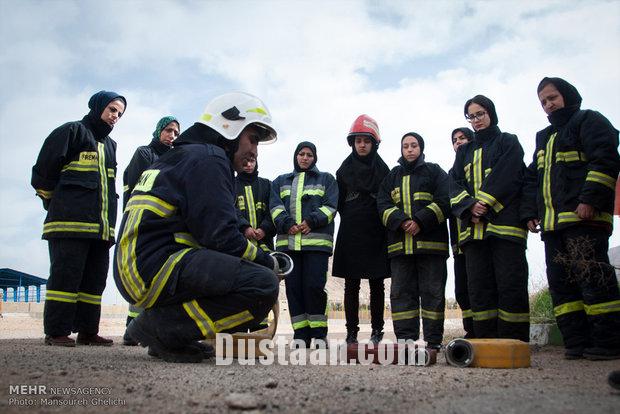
16	280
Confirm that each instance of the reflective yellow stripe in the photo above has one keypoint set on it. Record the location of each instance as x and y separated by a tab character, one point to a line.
463	235
45	194
276	211
70	226
314	192
251	207
507	231
436	316
132	314
301	324
151	203
231	321
571	217
250	252
467	313
568	307
186	239
316	242
604	179
422	196
317	324
549	218
484	315
602	308
329	212
395	247
88	298
103	177
438	213
125	188
514	317
460	197
491	201
429	245
405	191
126	256
411	314
111	173
160	279
202	320
60	296
285	193
478	231
477	166
386	215
570	156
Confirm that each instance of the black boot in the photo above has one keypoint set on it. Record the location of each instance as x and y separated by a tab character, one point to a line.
376	336
351	337
146	334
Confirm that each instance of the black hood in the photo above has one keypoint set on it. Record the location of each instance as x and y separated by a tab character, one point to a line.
301	145
572	100
97	104
486	103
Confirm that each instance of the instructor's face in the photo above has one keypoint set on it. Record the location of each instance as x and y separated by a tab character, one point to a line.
248	148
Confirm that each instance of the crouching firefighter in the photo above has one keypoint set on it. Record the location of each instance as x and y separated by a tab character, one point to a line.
180	254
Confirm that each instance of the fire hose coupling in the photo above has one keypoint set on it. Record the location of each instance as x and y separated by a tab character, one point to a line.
285	264
459	353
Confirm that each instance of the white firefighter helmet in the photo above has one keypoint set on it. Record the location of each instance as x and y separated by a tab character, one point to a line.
230	113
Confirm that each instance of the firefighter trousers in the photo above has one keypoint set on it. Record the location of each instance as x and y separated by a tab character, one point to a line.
497	274
462	294
306	295
352	303
78	273
585	299
418	280
212	292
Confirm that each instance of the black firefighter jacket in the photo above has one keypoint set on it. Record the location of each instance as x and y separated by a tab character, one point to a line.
253	208
297	196
574	163
74	175
184	201
420	195
489	169
144	156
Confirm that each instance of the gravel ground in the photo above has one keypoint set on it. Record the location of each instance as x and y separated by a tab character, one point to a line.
126	379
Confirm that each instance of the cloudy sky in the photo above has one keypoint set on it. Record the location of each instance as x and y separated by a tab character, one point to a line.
409	64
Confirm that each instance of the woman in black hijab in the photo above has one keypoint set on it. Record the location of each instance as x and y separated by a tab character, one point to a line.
361	250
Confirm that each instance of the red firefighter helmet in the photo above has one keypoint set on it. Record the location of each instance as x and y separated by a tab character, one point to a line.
366	126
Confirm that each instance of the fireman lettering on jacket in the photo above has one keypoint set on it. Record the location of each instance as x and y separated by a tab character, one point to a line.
146	181
88	157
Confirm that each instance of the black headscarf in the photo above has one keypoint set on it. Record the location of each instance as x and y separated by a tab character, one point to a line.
572	100
466	131
97	104
363	174
305	144
410	166
486	103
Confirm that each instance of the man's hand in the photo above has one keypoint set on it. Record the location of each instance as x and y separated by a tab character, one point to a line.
294	229
585	211
479	209
532	225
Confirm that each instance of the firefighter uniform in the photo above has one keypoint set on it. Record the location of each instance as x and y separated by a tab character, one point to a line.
312	196
252	204
74	176
490	169
417	191
143	157
576	161
461	292
180	252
